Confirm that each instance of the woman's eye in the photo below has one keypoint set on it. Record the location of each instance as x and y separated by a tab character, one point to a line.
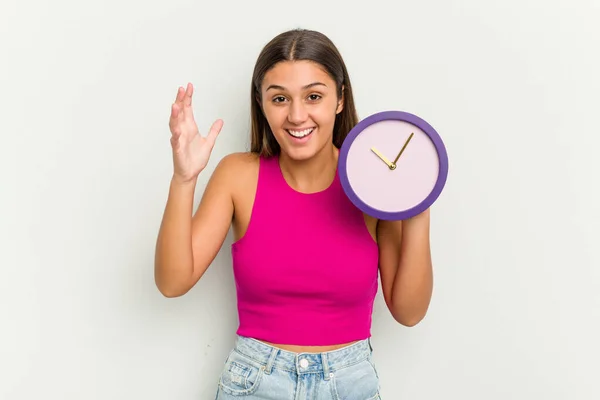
279	99
314	97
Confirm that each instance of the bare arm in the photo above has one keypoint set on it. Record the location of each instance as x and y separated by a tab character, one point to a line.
173	265
187	245
406	267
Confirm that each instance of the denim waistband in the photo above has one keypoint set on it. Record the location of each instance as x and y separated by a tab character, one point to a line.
323	362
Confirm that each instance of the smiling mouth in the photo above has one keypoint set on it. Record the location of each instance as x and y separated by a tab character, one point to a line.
300	134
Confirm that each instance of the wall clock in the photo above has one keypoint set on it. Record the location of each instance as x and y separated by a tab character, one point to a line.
393	165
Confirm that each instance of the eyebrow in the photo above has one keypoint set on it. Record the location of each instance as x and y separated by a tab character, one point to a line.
303	87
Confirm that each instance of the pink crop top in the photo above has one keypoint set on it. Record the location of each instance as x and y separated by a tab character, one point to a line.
306	271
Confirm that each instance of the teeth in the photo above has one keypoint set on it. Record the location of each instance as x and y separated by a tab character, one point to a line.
300	134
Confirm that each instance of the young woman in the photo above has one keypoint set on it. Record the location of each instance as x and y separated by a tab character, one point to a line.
306	261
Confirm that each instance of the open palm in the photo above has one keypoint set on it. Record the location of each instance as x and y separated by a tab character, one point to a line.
191	150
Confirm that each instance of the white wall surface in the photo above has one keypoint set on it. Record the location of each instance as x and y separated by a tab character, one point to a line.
85	94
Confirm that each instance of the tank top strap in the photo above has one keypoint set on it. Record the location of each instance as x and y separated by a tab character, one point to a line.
269	184
269	174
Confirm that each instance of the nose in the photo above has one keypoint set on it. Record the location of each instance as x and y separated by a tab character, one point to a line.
297	113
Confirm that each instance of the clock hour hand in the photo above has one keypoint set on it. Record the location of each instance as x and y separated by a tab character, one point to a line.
403	147
382	157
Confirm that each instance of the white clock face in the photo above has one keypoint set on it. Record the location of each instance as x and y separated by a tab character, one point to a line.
413	176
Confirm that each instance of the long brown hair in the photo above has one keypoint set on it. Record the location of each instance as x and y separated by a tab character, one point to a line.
300	44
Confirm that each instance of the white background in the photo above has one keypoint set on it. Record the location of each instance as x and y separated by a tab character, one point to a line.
86	87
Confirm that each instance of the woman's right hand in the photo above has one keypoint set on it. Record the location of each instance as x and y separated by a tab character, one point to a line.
191	151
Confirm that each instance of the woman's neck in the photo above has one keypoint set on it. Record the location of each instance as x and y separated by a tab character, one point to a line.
312	175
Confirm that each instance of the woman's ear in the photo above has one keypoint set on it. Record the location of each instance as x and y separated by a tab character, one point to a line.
340	105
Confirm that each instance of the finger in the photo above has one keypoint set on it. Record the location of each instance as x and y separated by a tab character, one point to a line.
189	91
175	110
175	136
174	113
175	143
180	95
187	113
214	131
175	117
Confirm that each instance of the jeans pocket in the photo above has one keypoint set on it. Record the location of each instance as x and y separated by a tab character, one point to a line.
372	363
355	382
241	376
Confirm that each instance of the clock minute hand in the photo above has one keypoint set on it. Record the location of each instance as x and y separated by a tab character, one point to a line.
402	150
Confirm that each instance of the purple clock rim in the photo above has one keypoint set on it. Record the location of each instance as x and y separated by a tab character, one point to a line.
429	131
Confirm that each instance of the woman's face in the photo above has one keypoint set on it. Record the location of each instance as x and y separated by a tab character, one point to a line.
300	103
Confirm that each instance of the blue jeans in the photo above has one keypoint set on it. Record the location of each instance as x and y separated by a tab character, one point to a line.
257	371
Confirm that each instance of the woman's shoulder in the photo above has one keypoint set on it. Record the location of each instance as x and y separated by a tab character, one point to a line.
238	166
239	162
238	172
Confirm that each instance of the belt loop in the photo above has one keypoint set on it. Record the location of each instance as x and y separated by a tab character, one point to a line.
370	346
271	361
325	363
